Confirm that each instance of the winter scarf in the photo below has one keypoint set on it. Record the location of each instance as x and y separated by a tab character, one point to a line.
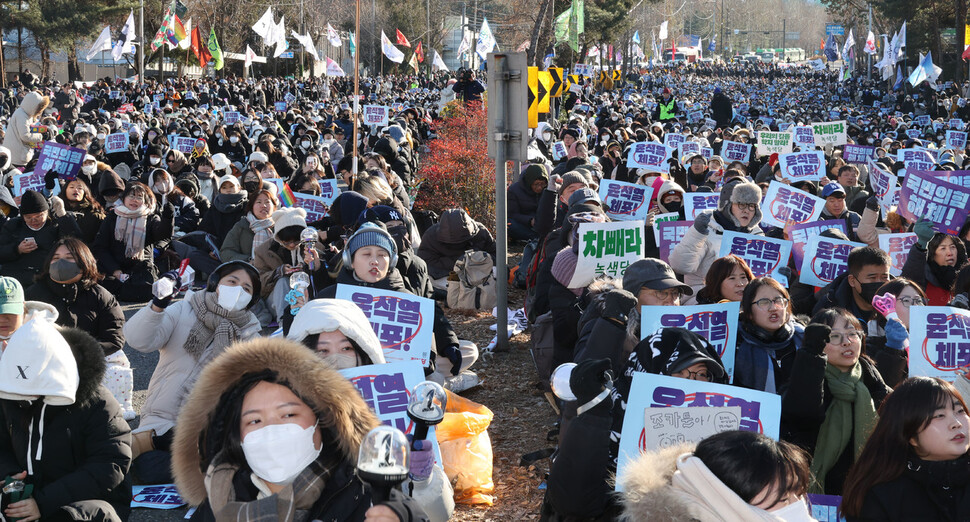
709	498
262	231
753	365
299	495
945	274
130	228
851	413
215	329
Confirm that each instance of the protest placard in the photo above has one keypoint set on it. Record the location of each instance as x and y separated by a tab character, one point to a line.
558	151
764	255
830	133
774	142
884	184
673	140
801	166
697	202
957	177
316	207
660	218
800	234
804	137
956	124
695	116
329	191
606	248
403	323
925	196
376	115
710	123
913	134
666	427
161	496
116	142
184	144
825	508
280	106
583	69
386	388
63	159
688	149
825	259
897	246
231	117
956	140
858	153
784	205
718	323
671	234
940	341
651	156
27	181
735	151
916	159
760	411
923	120
934	154
625	201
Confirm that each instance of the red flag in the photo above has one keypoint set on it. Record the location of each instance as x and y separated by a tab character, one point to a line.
821	45
966	53
200	49
420	52
401	40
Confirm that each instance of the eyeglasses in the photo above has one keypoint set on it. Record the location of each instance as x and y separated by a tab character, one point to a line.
911	301
765	303
701	375
665	295
840	337
747	206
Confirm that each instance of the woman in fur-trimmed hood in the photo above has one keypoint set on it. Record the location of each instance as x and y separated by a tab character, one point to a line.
212	468
739	210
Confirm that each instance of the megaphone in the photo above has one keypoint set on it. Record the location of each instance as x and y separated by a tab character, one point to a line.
559	382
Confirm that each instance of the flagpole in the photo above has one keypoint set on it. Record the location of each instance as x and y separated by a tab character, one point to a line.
357	96
869	69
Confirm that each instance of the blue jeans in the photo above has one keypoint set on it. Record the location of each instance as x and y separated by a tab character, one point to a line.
518	231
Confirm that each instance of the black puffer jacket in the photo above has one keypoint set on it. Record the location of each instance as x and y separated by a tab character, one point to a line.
87	445
522	200
86	306
226	211
449	238
926	490
23	267
110	252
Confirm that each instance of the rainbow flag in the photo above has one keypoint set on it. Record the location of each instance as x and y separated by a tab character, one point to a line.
176	30
287	197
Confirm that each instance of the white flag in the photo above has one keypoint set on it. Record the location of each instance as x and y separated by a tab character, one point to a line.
902	36
465	45
279	38
333	69
849	42
187	41
125	45
250	56
437	64
870	47
307	44
332	36
663	30
103	43
486	42
265	25
393	53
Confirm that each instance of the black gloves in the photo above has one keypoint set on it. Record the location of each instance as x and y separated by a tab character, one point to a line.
587	380
615	305
816	337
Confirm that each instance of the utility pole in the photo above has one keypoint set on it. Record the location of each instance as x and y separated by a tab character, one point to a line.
427	4
474	40
784	37
141	42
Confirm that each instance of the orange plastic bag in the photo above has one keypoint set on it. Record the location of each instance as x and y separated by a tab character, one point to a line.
467	450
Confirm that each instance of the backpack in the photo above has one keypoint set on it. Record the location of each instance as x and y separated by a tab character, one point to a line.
543	346
519	273
471	285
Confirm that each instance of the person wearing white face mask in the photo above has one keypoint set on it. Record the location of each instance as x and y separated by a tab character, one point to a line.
188	335
281	430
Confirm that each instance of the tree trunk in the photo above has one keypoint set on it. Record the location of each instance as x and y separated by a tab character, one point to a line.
45	60
74	73
3	66
531	56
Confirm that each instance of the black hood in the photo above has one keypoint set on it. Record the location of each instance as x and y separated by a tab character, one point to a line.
90	363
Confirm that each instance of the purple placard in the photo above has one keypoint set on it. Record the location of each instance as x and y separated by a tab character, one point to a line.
671	234
64	160
858	153
800	234
825	508
924	195
316	207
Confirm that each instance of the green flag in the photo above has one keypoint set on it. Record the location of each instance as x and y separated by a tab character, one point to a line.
576	23
352	45
214	49
562	25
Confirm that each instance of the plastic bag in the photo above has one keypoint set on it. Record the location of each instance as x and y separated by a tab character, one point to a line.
467	450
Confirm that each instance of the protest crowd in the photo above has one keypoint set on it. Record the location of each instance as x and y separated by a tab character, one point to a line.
781	251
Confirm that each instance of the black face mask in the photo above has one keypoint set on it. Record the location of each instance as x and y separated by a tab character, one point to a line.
251	186
63	270
673	206
401	239
869	290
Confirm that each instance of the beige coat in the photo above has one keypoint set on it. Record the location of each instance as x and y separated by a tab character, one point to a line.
18	137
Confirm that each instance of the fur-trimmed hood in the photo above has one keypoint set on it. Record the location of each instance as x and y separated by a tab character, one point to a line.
337	403
647	493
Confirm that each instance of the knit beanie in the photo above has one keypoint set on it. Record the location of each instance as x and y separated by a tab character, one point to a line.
563	267
33	202
371	234
288	217
571	178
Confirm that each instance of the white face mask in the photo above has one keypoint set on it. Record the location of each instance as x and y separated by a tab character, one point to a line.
232	298
794	512
101	136
89	169
265	454
234	140
305	144
153	160
342	361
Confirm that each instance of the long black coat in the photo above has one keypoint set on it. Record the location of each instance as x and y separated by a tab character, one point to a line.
87	448
92	309
24	267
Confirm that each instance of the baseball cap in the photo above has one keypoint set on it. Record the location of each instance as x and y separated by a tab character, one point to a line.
653	274
11	296
831	189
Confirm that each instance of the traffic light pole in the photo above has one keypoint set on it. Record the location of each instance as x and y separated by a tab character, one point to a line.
501	135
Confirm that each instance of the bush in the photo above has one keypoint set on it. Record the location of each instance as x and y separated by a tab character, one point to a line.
457	172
